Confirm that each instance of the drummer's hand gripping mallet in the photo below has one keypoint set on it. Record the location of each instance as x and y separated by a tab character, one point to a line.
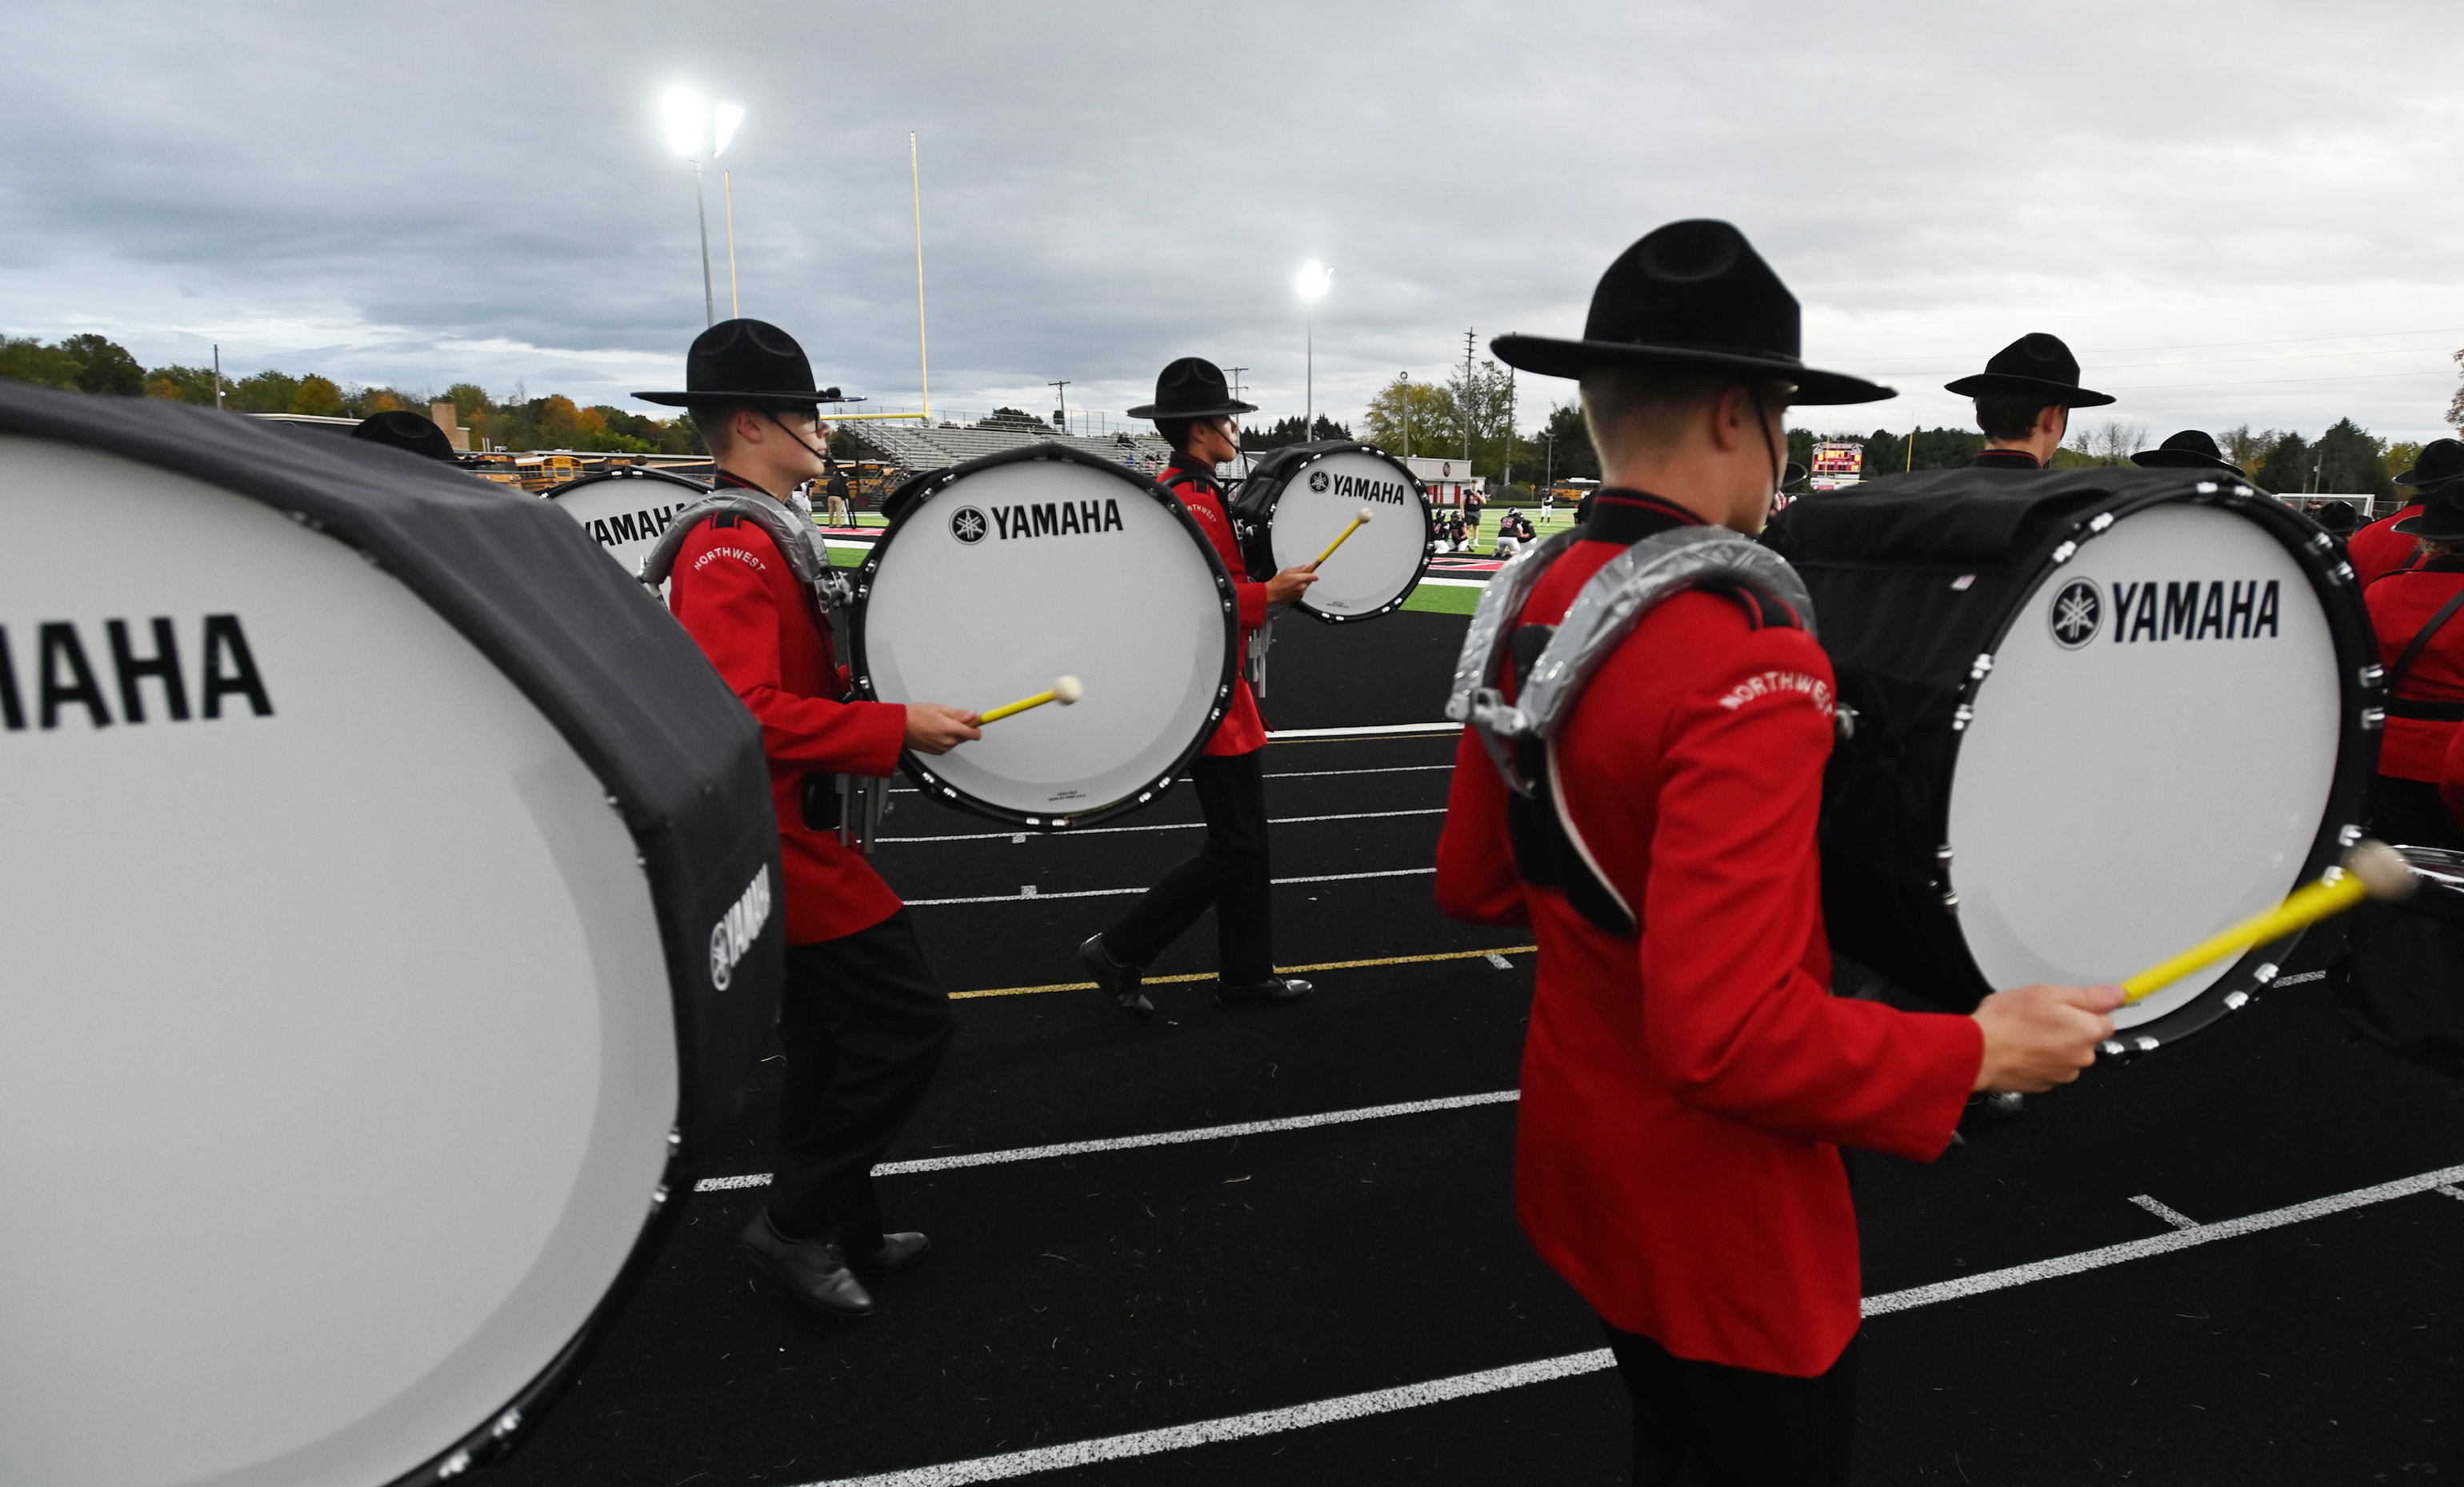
2372	870
1065	692
1356	521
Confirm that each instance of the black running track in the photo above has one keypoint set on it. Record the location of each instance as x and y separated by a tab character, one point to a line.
1076	1298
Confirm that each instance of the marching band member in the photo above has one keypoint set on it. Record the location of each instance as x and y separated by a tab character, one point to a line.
2379	549
2024	399
1196	414
2193	448
2421	642
863	1021
1687	1078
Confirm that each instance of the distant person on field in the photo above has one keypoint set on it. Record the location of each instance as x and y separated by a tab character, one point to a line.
836	502
2024	399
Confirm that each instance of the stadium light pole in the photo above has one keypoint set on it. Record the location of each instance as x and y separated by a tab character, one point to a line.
697	130
1313	281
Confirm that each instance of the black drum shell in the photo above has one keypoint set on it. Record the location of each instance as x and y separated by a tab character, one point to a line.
1253	507
1902	653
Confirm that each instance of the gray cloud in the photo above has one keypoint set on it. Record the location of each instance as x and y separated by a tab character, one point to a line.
482	192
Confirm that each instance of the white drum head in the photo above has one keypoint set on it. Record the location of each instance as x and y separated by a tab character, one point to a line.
338	1051
2151	757
625	514
993	586
1377	565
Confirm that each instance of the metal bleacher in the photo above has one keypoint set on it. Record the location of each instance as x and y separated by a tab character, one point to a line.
913	449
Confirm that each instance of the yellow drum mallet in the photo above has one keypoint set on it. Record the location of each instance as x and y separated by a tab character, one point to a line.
1356	521
1065	692
2372	870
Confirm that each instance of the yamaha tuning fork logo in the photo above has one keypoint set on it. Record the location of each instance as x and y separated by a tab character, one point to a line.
1318	481
968	525
737	928
2078	613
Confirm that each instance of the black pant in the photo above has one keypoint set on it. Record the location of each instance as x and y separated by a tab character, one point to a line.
865	1024
1229	873
2410	813
1711	1425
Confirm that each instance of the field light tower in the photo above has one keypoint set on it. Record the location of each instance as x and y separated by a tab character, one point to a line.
697	131
1312	286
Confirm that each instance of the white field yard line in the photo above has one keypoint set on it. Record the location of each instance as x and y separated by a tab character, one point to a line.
1035	896
1162	1138
1182	825
1488	1381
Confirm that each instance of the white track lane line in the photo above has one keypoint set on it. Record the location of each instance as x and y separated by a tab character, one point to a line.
1162	1138
1490	1381
1181	825
2171	1215
1034	897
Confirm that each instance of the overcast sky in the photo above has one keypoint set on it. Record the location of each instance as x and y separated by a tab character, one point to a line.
2235	213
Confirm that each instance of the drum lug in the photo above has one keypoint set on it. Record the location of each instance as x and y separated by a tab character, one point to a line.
2373	674
2349	834
1961	716
2144	1043
2065	553
1845	719
2373	719
1950	901
2341	573
2111	1048
658	1197
2101	521
1983	664
2265	973
2234	1002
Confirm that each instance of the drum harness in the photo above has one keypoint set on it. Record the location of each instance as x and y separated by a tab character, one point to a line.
852	803
1553	663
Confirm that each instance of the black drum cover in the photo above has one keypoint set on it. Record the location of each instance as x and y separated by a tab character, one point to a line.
996	577
2099	714
390	894
627	508
1299	497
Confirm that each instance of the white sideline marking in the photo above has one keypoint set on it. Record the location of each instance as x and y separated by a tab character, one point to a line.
2296	981
1500	962
1184	825
2450	1190
1162	1138
1292	774
1032	896
1463	1386
1297	734
2174	1217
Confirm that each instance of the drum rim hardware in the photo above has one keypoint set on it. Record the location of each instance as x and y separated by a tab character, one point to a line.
912	497
2359	714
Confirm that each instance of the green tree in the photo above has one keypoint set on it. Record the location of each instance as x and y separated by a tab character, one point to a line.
1413	418
263	392
105	366
2246	449
469	399
2287	464
27	359
2455	404
182	384
2352	462
2401	457
1012	418
317	396
1484	397
1564	446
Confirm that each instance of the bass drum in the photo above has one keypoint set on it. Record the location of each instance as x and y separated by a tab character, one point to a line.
1001	575
626	509
375	947
2098	715
1299	497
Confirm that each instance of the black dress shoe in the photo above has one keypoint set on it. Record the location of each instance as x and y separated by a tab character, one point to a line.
897	1252
1272	991
1116	980
814	1271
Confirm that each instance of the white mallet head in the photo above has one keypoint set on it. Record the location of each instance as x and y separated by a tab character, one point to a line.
2382	869
1066	690
1366	513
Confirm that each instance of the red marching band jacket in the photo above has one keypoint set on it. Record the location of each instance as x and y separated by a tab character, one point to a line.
2378	549
1685	1089
1243	728
758	625
2400	604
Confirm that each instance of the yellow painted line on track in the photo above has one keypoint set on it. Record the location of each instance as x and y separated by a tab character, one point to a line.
1328	965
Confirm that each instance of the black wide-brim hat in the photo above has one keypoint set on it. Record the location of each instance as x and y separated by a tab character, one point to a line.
752	362
2338	518
2441	460
2036	365
2441	517
397	429
1193	387
2190	449
1691	296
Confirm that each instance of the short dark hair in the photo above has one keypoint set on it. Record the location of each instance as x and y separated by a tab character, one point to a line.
713	420
2006	415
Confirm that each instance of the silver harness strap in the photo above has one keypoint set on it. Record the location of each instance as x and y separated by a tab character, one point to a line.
855	804
1554	664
